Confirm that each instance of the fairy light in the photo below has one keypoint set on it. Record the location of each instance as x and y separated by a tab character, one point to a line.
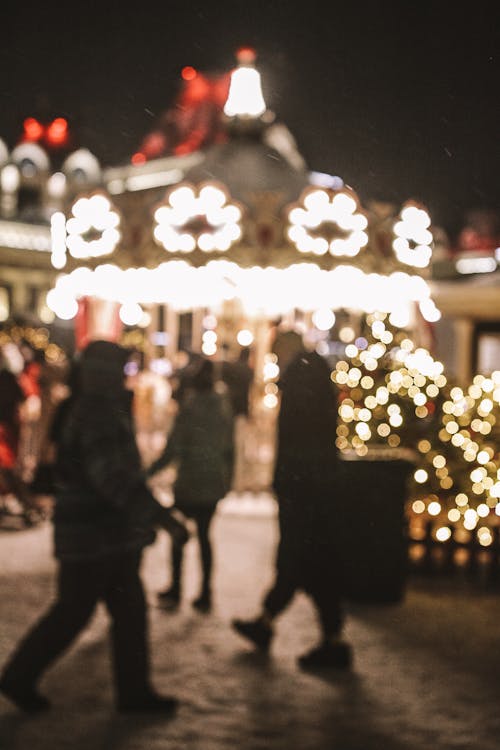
412	244
201	218
93	228
328	221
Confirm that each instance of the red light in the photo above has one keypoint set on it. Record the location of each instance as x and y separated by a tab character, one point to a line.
246	55
138	158
188	73
33	130
57	132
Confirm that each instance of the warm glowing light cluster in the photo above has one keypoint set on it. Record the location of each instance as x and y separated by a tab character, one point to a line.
413	237
93	228
395	393
193	218
328	221
463	464
270	375
268	291
386	381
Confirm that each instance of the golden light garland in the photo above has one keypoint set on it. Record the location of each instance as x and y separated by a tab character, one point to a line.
386	381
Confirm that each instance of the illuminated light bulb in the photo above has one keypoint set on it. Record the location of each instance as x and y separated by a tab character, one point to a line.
209	348
438	462
270	400
363	430
418	506
56	185
271	371
47	315
482	510
131	313
188	73
209	337
421	476
245	97
424	446
478	474
346	334
244	337
470	517
9	178
323	319
434	508
454	515
58	239
484	536
443	534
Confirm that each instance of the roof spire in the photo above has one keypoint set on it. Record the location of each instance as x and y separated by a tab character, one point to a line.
245	99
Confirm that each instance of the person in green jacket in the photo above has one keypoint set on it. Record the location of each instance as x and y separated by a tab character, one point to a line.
201	445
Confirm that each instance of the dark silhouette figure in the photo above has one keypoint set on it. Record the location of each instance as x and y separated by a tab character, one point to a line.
201	444
12	396
238	377
304	483
104	516
44	481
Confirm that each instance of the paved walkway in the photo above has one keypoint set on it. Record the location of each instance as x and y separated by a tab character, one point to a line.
426	673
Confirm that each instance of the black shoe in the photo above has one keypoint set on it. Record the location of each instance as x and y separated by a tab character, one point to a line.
255	631
327	656
203	603
151	703
24	697
169	599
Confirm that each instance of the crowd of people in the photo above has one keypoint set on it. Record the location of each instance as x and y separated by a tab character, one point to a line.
106	514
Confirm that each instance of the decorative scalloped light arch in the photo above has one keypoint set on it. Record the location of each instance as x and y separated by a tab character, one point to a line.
413	239
202	217
93	228
327	220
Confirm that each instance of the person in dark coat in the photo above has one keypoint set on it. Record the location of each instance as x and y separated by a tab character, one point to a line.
201	444
104	516
304	483
238	376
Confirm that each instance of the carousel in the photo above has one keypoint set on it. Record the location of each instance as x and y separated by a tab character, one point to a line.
217	235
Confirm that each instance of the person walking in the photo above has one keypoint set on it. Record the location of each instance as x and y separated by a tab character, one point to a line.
12	400
104	516
238	376
201	444
304	480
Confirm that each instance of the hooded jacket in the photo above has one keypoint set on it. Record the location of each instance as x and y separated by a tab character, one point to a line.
306	455
201	444
103	505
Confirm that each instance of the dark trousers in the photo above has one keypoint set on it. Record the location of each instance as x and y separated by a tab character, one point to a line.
115	580
202	516
305	561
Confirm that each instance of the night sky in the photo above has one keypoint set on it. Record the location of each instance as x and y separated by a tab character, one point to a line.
399	99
